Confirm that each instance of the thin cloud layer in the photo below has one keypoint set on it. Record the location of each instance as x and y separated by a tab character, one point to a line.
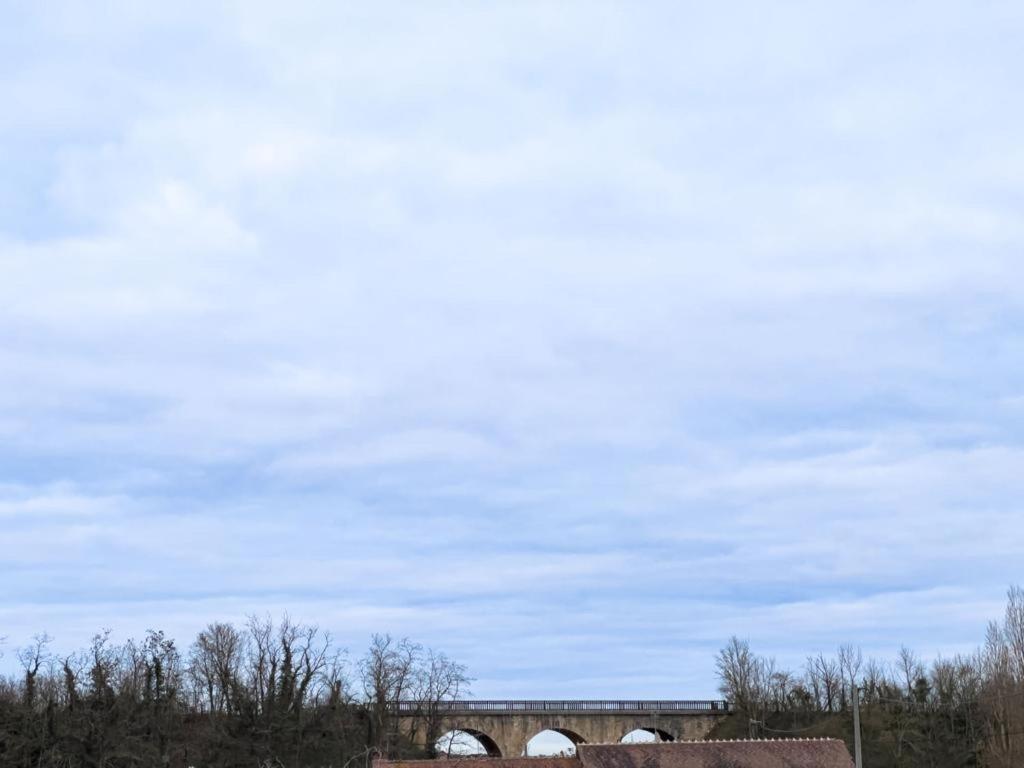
571	339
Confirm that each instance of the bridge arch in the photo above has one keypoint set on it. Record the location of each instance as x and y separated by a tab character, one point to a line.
454	743
648	734
547	742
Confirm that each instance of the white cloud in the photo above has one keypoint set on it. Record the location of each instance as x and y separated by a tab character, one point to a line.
59	501
688	320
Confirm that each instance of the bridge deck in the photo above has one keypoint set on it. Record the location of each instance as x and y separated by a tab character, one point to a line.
575	706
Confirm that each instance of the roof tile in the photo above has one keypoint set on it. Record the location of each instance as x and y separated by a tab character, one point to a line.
759	753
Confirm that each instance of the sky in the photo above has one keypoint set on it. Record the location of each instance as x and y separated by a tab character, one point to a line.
568	338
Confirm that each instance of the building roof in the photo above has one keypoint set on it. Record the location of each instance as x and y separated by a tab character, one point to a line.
754	753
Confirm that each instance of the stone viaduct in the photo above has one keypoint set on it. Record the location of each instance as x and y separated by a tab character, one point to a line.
504	727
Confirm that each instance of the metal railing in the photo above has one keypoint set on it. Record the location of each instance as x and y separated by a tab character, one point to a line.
583	706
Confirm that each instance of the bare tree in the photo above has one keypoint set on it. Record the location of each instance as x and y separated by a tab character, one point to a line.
826	680
388	672
873	679
737	672
215	663
910	668
850	662
441	680
32	659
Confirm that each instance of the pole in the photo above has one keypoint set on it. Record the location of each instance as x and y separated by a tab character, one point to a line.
856	728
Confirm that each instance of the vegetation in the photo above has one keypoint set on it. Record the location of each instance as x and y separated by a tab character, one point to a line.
963	711
260	696
269	695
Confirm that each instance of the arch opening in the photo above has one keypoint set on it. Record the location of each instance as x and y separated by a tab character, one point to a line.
553	742
466	742
646	735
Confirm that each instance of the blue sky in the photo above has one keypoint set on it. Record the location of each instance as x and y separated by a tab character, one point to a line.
570	338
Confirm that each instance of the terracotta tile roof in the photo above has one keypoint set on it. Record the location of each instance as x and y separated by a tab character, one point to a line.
754	753
774	753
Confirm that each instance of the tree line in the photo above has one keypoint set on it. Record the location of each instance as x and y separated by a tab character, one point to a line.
967	710
281	694
264	695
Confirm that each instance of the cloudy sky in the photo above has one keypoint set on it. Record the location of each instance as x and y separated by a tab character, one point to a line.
570	338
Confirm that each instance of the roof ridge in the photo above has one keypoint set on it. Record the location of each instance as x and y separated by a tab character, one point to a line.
705	741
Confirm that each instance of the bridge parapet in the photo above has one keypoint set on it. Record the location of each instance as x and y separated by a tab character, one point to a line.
574	706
